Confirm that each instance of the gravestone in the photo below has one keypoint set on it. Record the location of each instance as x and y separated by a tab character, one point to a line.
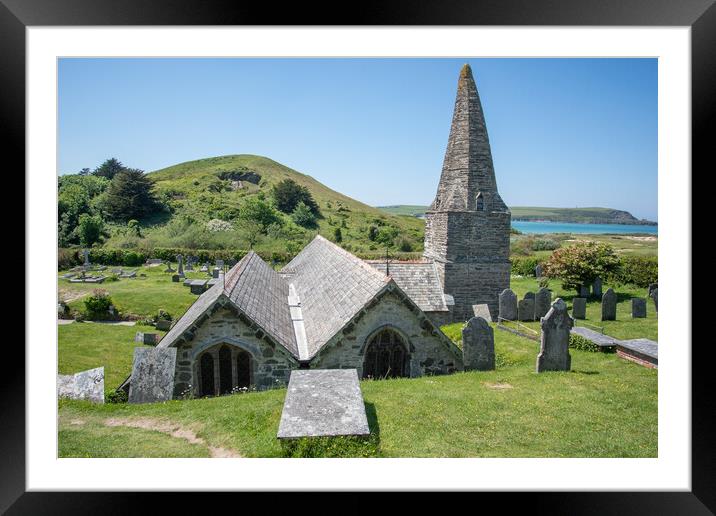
482	311
478	345
584	291
189	265
652	287
638	307
609	306
169	267
197	286
152	375
180	266
215	272
597	288
146	338
554	341
220	264
508	305
526	309
86	385
176	278
323	402
579	308
543	299
163	324
187	282
655	296
529	295
85	252
204	268
538	270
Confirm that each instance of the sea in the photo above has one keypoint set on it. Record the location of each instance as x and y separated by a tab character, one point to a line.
568	227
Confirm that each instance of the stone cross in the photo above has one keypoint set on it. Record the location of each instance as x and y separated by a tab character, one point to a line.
478	345
85	252
638	307
609	306
180	266
543	299
508	305
597	288
526	309
554	341
579	308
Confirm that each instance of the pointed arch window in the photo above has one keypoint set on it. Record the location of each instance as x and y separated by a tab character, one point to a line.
480	202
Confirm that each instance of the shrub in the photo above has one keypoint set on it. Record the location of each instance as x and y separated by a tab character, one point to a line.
525	266
303	216
118	396
640	271
581	343
288	194
97	305
163	315
582	263
67	258
216	225
337	235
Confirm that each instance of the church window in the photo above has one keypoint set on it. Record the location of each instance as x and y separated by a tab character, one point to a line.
480	202
225	376
386	356
207	374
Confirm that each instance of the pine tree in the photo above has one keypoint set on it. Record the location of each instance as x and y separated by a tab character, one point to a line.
130	196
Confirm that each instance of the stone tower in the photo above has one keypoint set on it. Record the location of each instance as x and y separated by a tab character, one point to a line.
467	227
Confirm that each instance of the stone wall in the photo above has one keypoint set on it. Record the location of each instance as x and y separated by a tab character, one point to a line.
430	351
271	363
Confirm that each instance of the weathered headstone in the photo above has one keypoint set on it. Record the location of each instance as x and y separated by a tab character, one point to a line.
85	252
180	266
529	295
538	270
152	375
220	264
543	300
638	307
554	341
508	305
526	309
169	267
609	306
655	296
584	291
482	311
86	385
478	345
146	338
579	308
197	286
176	278
597	288
323	402
652	287
215	272
163	324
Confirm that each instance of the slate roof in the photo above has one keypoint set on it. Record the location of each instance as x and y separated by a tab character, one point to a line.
419	280
333	286
255	289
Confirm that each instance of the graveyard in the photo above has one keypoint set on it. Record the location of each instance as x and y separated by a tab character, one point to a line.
604	407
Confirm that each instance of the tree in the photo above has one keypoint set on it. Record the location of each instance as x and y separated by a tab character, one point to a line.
337	235
130	196
372	233
90	229
109	168
259	212
303	216
581	263
287	194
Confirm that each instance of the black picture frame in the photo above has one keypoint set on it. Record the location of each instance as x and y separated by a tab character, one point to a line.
700	15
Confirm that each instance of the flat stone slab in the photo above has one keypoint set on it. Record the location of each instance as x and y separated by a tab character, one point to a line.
644	349
86	385
482	311
323	402
152	375
601	340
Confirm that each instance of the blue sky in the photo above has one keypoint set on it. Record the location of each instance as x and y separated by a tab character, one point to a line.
564	132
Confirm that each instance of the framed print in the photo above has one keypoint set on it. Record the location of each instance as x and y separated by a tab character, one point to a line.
365	255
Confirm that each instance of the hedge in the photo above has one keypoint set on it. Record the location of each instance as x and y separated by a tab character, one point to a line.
525	266
640	271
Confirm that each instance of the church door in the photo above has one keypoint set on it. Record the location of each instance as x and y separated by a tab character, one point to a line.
243	369
225	379
207	374
386	356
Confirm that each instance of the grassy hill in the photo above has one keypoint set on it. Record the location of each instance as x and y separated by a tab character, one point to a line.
579	215
215	188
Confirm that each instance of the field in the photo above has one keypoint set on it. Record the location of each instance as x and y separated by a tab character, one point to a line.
604	407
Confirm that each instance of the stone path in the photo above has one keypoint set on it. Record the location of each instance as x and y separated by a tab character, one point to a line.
173	430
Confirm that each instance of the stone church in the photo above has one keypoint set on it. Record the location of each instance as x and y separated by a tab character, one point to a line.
328	309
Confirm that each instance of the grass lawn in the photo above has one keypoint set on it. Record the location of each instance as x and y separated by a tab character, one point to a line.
604	407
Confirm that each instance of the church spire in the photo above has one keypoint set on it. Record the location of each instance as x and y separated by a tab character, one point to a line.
467	182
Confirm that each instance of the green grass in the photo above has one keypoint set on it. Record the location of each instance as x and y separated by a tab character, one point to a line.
604	407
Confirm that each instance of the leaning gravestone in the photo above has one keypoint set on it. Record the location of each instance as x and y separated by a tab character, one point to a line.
538	270
638	307
482	311
152	375
655	296
526	309
508	305
554	341
579	308
543	299
478	345
597	288
86	385
609	306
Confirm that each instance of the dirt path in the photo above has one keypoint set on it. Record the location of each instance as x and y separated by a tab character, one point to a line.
68	295
173	430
